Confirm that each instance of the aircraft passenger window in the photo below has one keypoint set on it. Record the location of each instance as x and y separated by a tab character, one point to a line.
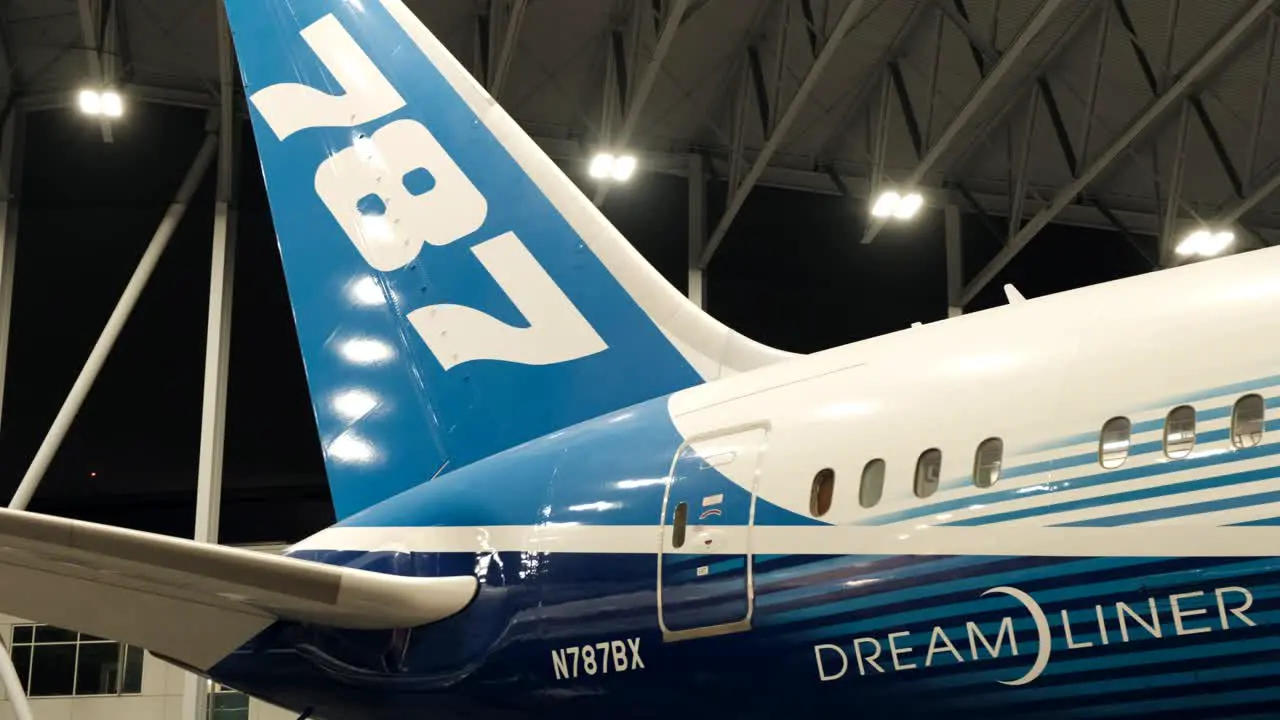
678	524
1247	419
822	492
1113	444
1180	431
986	462
872	486
928	470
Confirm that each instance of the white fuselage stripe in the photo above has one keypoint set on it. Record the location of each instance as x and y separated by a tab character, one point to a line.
1132	541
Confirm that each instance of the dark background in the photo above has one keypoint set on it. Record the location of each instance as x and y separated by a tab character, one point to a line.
791	273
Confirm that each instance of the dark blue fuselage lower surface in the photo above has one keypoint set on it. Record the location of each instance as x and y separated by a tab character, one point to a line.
907	635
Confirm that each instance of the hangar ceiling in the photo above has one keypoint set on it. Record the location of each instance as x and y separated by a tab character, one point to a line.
1151	117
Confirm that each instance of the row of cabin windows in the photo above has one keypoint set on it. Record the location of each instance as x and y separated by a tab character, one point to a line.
986	471
1248	417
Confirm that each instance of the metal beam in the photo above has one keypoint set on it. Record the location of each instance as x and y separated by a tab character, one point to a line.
1166	67
500	67
851	13
975	103
977	41
986	131
1018	179
101	42
738	129
955	260
1207	60
635	105
12	140
1124	231
1173	192
697	227
1161	83
1139	215
779	64
856	100
111	331
880	143
1242	206
7	54
984	52
905	105
810	25
480	44
1045	88
1260	105
610	94
761	90
1095	81
935	67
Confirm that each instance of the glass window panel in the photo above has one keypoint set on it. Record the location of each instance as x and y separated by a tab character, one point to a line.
132	671
872	487
98	670
23	633
51	634
1113	444
822	492
22	663
1180	431
53	669
678	526
928	471
228	706
1247	420
987	461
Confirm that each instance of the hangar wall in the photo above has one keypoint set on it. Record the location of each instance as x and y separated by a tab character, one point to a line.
69	676
62	688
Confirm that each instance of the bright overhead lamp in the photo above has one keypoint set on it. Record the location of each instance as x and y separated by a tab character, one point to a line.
890	204
101	102
90	102
1205	242
112	105
607	166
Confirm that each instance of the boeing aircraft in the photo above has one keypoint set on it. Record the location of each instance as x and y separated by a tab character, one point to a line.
564	491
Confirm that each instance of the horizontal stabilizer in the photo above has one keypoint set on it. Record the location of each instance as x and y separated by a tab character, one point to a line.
195	602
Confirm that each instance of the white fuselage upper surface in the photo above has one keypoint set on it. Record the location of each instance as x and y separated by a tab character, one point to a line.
1055	368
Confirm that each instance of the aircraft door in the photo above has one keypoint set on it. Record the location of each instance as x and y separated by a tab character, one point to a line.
704	566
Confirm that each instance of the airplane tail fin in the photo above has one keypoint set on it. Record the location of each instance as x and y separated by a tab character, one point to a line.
455	294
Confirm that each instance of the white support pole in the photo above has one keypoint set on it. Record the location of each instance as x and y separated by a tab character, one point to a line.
213	414
13	688
221	277
12	139
115	323
697	227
